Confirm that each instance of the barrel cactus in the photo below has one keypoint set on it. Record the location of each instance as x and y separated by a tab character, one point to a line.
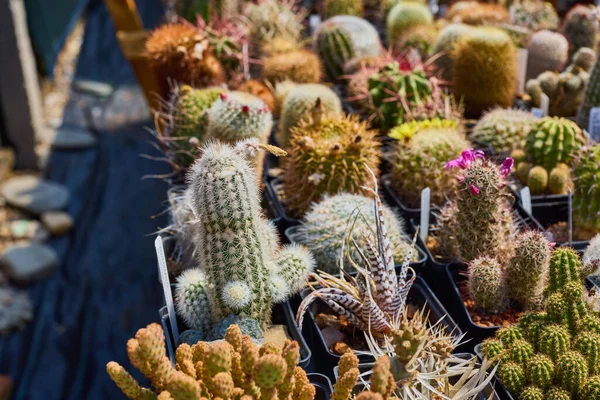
554	341
405	15
588	345
547	51
502	130
512	376
571	371
485	284
532	393
580	27
444	47
587	192
298	65
342	38
540	371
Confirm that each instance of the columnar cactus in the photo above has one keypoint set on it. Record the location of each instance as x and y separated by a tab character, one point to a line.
553	141
571	371
565	267
405	15
178	51
585	199
591	98
540	371
444	46
300	102
485	284
485	73
532	324
326	224
547	51
419	163
580	27
321	150
503	130
245	272
588	345
342	38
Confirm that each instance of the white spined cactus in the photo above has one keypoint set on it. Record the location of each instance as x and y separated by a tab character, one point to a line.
193	304
591	257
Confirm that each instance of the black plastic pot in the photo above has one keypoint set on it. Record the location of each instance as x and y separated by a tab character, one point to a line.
282	314
503	393
322	384
420	295
275	210
539	199
392	198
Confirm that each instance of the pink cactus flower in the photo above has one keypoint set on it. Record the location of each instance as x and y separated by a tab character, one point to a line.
507	166
465	160
223	96
245	109
474	189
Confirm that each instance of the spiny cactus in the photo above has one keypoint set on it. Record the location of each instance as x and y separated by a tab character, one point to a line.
491	347
518	35
328	155
520	352
565	267
559	179
537	180
325	226
485	70
332	8
587	192
235	368
532	324
406	15
591	388
553	141
178	51
476	13
419	163
509	334
419	38
299	65
576	309
580	27
259	89
512	377
591	98
548	51
300	102
532	393
485	284
588	345
591	257
245	272
590	323
444	46
556	307
503	130
557	394
540	371
342	38
406	131
554	341
535	15
571	371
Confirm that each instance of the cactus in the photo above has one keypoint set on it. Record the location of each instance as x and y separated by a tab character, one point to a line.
520	352
419	38
342	38
565	267
300	102
534	15
179	52
588	345
591	257
576	309
485	70
480	219
587	193
580	27
444	46
485	284
282	89
591	97
590	323
405	15
532	393
491	347
261	90
559	179
503	130
548	51
509	334
557	394
300	65
584	58
406	131
512	377
522	171
537	180
527	270
591	388
245	270
553	141
321	149
476	13
420	163
235	368
556	306
571	371
332	8
326	223
531	325
540	371
554	341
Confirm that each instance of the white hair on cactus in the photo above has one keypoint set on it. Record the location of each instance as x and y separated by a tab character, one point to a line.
279	289
192	300
591	257
236	294
295	264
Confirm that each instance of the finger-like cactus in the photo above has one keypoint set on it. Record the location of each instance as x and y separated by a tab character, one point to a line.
485	284
532	324
587	192
537	180
532	393
554	341
565	267
588	345
509	334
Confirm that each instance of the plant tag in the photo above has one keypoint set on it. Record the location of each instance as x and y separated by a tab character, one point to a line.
538	112
526	199
521	70
425	208
163	274
245	61
545	104
314	21
594	124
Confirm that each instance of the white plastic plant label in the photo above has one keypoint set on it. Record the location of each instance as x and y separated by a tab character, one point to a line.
521	70
526	199
163	274
594	124
538	112
314	21
425	208
246	61
545	104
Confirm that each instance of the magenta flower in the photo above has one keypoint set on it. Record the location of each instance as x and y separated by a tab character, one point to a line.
465	160
474	189
507	166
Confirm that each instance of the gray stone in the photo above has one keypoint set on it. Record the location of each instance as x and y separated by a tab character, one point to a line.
191	337
57	222
73	138
15	309
248	326
33	194
28	263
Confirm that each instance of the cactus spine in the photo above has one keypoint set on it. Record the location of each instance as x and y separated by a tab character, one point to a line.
486	284
586	199
580	27
406	15
503	130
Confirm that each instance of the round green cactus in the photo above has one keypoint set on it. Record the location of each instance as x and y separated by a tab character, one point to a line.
554	140
485	284
512	377
532	324
532	393
557	394
554	341
520	352
540	371
189	111
591	389
565	266
590	323
587	190
503	130
491	347
588	344
556	307
509	334
537	180
404	16
571	371
577	308
447	40
558	180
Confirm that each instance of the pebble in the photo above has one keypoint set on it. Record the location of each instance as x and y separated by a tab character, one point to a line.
27	263
332	336
33	194
57	222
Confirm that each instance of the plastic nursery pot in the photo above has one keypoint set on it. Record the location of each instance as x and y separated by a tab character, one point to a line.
539	199
322	385
394	199
276	209
420	296
291	234
282	315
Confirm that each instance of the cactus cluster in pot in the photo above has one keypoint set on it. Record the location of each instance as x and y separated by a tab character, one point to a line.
553	353
503	130
586	204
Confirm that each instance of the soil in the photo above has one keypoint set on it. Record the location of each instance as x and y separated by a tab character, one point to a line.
560	233
509	317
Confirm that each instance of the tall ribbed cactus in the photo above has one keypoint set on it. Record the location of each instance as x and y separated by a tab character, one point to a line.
342	38
591	98
586	199
244	270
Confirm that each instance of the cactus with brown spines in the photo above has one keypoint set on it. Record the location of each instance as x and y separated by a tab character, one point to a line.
298	65
503	130
419	163
485	72
178	51
328	154
580	27
259	89
485	285
444	46
233	369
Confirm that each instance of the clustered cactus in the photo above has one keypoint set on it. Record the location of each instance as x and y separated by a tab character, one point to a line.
503	130
554	353
585	198
233	369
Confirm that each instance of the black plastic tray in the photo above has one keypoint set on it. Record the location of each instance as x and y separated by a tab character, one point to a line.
551	213
392	197
420	295
322	384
